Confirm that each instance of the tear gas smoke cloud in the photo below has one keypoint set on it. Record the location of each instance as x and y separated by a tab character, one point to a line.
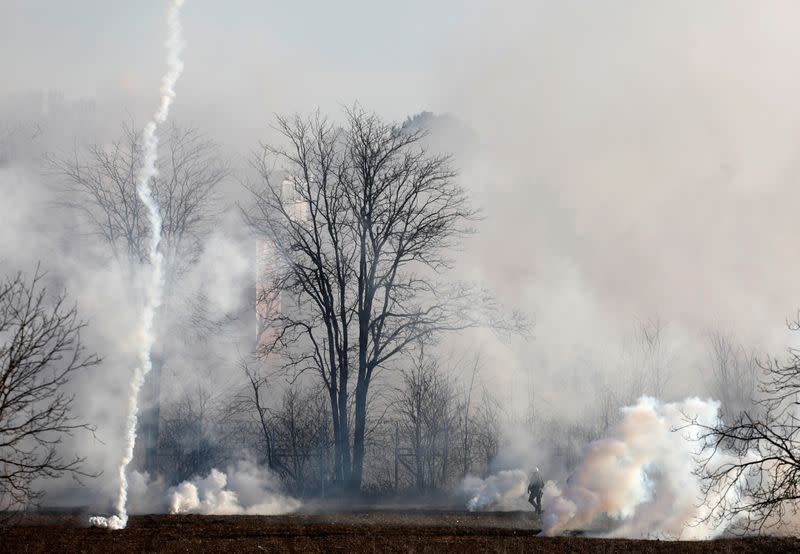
645	476
147	173
245	489
505	490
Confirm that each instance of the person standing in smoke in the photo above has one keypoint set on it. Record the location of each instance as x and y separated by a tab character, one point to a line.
535	487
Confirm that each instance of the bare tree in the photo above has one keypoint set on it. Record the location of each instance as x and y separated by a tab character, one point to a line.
486	424
189	442
654	351
361	227
40	352
16	141
287	426
648	360
100	184
751	462
734	376
442	432
301	437
256	397
646	363
426	418
465	419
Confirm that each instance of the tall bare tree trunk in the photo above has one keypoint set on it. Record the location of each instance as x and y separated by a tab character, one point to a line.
151	416
359	431
342	433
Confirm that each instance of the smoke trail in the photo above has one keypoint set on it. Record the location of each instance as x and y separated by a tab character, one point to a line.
148	171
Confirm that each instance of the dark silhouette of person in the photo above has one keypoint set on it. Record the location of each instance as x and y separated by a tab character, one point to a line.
535	487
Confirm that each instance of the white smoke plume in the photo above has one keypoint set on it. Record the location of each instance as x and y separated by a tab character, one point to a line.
245	489
505	490
644	477
148	171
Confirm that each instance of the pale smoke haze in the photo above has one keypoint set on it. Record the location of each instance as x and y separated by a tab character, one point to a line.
632	160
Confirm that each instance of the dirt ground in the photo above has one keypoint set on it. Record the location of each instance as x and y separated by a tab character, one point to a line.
357	531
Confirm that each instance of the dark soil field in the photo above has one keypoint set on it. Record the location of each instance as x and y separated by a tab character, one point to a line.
358	531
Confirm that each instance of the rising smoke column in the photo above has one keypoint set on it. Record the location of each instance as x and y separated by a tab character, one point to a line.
148	171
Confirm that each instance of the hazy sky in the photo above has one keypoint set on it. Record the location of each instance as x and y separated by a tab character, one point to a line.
276	55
